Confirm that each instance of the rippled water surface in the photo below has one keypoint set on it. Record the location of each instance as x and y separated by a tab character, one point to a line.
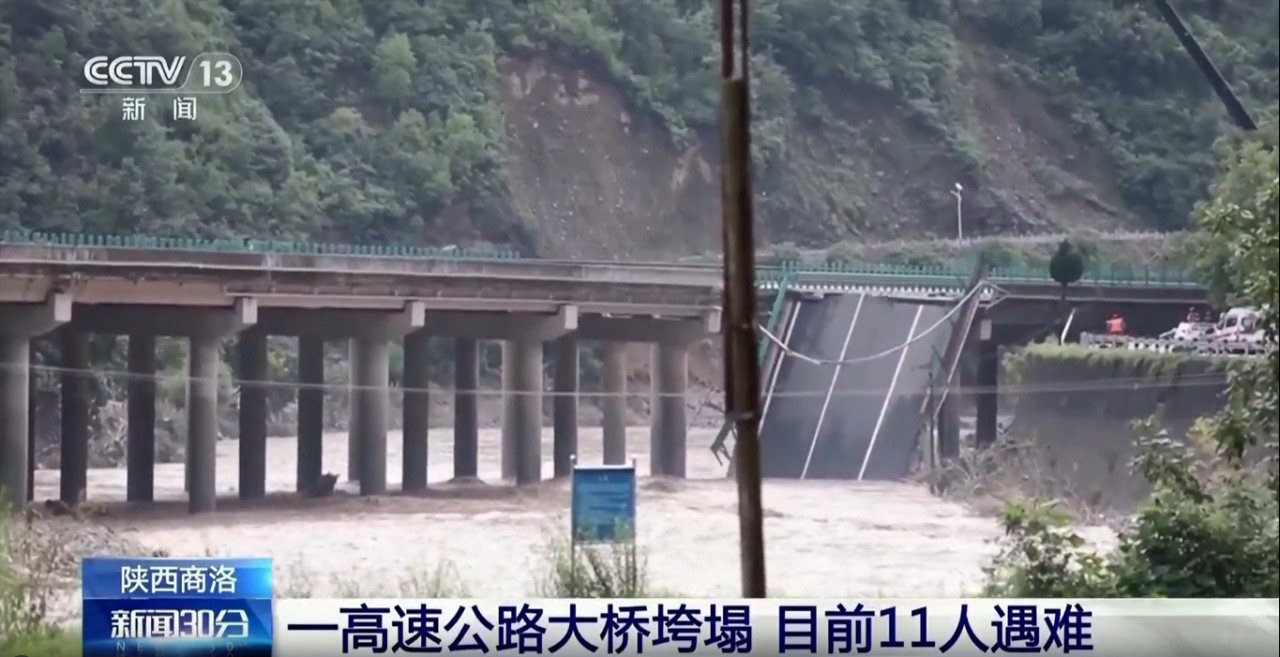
823	538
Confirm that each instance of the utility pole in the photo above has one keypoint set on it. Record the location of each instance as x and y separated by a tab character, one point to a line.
742	369
1235	109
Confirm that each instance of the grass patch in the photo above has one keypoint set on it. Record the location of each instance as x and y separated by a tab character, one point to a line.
33	587
1020	365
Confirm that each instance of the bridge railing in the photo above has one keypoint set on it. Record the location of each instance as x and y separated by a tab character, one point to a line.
1203	347
1108	274
237	245
796	272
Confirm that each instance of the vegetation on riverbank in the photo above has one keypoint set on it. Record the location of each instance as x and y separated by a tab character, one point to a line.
1127	363
1211	528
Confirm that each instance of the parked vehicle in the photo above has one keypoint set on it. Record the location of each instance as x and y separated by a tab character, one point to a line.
1242	324
1189	332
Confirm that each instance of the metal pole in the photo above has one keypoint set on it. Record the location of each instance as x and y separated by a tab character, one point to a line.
1235	109
959	211
742	365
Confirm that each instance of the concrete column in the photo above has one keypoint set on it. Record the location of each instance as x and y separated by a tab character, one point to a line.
14	395
949	428
509	413
564	415
310	412
522	418
987	403
668	426
74	382
202	423
253	415
140	452
614	403
416	412
32	414
370	413
466	436
353	411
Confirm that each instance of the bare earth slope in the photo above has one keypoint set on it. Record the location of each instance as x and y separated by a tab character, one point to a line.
595	179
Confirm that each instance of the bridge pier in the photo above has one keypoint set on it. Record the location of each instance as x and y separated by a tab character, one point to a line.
202	423
19	324
522	410
353	413
140	449
252	352
14	394
310	461
416	412
948	428
668	425
988	378
614	403
369	413
466	435
205	333
74	383
565	405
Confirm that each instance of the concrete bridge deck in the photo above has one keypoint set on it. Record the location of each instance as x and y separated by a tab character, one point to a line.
72	291
209	292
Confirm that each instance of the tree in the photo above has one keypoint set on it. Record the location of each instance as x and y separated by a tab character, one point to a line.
1066	266
1212	525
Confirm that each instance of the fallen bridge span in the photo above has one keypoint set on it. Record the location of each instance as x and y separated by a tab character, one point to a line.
843	398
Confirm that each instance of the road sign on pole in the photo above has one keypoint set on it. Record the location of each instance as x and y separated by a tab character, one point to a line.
603	503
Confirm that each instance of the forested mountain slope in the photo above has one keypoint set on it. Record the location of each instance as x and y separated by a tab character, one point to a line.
587	127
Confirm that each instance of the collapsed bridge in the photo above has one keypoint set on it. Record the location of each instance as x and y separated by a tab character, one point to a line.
846	385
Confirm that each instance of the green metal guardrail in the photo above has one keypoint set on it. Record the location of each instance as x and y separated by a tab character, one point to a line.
1097	274
244	246
771	325
797	273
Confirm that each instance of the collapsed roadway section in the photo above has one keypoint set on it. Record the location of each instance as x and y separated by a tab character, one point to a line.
846	385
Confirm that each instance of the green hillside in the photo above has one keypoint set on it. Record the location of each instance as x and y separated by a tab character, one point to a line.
379	121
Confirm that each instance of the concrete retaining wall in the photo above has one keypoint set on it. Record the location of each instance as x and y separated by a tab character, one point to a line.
1075	408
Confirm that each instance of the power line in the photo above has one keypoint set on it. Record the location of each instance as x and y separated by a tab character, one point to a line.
1204	380
892	351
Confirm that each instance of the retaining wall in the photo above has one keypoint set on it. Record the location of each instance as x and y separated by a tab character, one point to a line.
1074	410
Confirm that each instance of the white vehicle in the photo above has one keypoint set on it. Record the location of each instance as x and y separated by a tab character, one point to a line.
1239	325
1189	332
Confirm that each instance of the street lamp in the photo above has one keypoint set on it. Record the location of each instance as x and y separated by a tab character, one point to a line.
958	193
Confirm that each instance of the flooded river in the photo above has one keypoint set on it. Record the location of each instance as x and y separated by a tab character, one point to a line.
823	538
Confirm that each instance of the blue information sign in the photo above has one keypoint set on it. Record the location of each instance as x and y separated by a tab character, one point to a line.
603	507
180	607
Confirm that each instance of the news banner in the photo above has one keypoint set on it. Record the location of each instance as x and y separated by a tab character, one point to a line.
225	608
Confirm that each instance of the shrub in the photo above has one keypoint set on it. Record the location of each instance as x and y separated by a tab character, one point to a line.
1212	525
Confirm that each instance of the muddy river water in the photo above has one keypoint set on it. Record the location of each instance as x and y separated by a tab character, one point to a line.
824	538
